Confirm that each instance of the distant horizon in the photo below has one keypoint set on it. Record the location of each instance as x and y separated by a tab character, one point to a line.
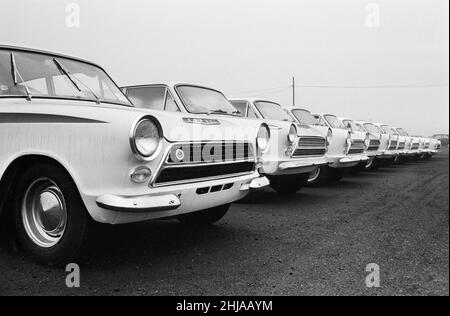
392	70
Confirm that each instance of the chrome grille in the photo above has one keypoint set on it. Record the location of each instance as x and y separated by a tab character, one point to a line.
357	147
195	162
207	152
393	145
310	146
374	145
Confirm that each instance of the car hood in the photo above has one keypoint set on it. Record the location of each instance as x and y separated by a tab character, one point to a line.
176	127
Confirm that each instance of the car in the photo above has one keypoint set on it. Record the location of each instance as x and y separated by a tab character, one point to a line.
377	140
442	138
372	143
74	151
295	158
344	151
425	151
286	172
391	140
410	153
402	151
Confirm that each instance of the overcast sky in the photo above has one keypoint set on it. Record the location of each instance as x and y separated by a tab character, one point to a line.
254	47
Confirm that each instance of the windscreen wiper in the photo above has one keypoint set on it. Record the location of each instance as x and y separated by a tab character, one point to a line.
16	73
217	112
72	79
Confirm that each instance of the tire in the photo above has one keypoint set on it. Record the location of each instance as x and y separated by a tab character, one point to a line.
375	165
289	185
326	174
57	235
205	217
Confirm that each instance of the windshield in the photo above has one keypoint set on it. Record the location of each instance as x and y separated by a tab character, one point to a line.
402	132
334	121
46	76
371	128
305	117
355	127
272	111
386	129
199	100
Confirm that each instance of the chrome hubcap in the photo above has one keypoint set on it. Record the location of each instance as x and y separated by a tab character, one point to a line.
314	175
44	213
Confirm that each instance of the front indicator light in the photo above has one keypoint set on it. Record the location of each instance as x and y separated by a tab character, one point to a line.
141	175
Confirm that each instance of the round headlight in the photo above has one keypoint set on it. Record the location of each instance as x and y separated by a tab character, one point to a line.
329	136
263	137
146	138
292	136
348	143
367	141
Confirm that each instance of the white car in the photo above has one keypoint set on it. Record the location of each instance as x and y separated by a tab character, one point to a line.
410	152
293	158
372	142
345	150
282	162
390	141
73	150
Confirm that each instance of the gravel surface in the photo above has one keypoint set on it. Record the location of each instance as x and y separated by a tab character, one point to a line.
315	243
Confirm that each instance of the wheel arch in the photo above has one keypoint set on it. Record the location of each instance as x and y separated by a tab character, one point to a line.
12	172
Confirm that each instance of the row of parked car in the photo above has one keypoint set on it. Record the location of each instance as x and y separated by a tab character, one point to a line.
75	149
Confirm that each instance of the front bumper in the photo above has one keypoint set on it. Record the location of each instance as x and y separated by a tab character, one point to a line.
387	154
171	201
293	166
347	161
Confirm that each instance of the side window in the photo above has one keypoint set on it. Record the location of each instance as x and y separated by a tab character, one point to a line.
171	106
148	97
251	113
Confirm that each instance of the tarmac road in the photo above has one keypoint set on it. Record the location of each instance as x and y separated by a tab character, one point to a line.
318	242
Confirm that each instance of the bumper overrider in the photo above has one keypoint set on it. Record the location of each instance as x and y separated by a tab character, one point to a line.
347	161
293	166
170	201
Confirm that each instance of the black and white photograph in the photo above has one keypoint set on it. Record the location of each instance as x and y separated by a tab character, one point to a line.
224	155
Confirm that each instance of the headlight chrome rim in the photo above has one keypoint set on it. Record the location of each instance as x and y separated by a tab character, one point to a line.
134	148
329	137
292	134
258	144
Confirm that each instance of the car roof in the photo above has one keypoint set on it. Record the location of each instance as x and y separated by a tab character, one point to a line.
44	52
169	84
253	100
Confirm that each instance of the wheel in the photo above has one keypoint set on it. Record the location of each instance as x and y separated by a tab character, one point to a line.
314	176
288	185
375	165
50	219
205	217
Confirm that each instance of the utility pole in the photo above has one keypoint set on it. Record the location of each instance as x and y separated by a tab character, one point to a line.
293	91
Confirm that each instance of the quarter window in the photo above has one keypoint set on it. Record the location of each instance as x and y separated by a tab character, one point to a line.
242	107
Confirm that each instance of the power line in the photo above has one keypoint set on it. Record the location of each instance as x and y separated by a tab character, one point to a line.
398	86
262	90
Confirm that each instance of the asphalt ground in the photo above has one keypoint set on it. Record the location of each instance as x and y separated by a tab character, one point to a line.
317	242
